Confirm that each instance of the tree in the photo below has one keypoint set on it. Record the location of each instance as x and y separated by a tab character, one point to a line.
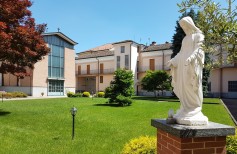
121	87
21	42
156	80
219	26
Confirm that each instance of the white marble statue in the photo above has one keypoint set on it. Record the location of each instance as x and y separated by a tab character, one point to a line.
186	70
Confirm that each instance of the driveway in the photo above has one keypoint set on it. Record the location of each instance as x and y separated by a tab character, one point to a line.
231	104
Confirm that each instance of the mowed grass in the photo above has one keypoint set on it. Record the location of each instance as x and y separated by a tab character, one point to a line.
45	126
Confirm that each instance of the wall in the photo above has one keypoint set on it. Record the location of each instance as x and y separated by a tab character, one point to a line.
69	69
40	73
106	81
227	75
117	52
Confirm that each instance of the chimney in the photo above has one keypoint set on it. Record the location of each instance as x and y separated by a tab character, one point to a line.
153	43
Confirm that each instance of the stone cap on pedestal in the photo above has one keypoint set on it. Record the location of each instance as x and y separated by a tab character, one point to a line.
184	131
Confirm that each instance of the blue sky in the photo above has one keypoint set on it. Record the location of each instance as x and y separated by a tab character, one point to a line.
93	23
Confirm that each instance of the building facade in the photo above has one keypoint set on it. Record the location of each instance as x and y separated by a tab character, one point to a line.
54	75
95	67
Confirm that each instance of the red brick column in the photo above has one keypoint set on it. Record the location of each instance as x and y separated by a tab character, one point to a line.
170	144
183	139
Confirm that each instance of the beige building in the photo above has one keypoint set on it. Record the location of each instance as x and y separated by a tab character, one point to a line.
53	75
223	82
95	67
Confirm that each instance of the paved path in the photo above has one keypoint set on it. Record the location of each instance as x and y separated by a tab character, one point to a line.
231	104
30	97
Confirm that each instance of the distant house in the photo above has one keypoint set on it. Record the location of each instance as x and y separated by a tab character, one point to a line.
53	75
153	57
223	79
95	67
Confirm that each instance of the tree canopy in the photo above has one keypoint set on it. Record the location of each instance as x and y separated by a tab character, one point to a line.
156	80
21	42
219	25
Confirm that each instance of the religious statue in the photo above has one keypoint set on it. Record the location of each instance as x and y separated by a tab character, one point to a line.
186	71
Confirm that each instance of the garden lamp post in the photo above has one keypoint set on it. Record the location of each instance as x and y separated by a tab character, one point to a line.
73	112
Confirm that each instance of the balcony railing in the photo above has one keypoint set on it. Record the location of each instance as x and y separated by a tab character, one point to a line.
95	72
157	67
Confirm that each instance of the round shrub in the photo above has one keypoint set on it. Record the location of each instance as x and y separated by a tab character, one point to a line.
141	145
70	94
86	94
231	146
101	94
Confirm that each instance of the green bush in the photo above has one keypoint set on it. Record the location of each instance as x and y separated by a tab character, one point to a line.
7	95
18	94
123	101
70	94
231	146
101	94
141	145
15	94
86	94
78	95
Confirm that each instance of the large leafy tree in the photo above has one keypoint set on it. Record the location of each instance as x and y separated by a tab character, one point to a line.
219	25
21	42
156	80
121	85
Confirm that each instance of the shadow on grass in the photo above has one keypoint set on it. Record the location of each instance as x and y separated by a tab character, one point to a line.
165	99
4	113
211	103
110	105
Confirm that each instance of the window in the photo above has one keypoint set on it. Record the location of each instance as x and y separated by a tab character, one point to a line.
56	62
152	64
101	68
118	62
88	69
79	69
232	86
126	61
122	49
101	79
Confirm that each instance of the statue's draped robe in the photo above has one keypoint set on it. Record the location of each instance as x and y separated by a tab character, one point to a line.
186	71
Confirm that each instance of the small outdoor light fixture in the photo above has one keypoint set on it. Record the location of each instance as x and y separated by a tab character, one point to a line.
73	112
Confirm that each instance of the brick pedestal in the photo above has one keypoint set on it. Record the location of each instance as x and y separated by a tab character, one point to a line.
181	139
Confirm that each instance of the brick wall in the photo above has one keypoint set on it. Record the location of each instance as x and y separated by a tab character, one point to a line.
169	144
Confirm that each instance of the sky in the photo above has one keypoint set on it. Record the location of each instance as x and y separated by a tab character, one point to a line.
92	23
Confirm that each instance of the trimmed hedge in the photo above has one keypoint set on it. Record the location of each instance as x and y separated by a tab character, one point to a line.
101	94
143	144
86	94
15	94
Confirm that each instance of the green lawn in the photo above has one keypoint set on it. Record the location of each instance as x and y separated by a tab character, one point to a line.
44	126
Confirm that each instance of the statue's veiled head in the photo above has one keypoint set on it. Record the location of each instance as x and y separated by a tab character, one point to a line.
188	26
